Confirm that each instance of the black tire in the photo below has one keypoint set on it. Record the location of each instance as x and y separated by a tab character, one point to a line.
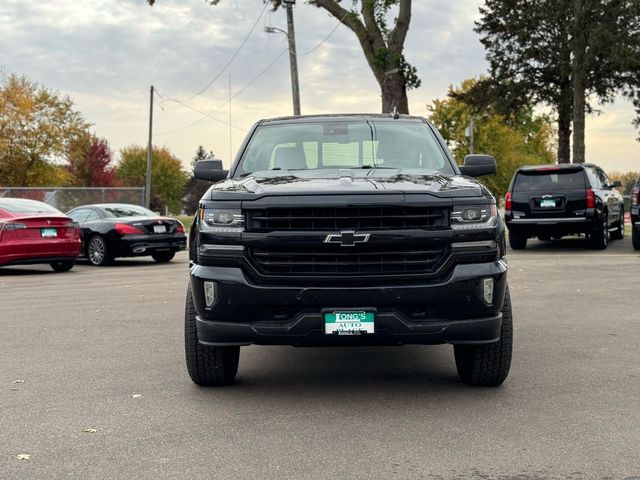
618	234
517	241
63	265
163	257
599	237
488	365
97	252
635	237
207	366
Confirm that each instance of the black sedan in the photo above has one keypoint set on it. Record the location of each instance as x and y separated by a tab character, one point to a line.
120	230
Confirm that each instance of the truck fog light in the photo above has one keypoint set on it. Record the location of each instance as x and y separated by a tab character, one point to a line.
487	290
209	293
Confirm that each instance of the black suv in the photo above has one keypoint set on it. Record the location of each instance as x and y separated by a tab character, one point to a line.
635	215
551	201
347	230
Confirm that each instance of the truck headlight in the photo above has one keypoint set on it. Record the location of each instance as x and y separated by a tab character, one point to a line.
221	220
473	217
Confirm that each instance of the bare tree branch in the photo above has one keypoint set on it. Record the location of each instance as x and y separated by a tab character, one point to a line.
369	16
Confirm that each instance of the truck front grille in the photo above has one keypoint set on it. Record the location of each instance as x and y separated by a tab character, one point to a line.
332	219
364	259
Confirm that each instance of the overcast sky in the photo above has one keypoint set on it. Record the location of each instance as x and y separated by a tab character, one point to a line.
105	53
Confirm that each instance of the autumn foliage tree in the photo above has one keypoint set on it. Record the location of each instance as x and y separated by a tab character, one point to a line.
168	178
196	188
37	126
90	162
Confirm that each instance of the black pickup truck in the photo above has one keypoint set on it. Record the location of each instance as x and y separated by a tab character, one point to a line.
347	230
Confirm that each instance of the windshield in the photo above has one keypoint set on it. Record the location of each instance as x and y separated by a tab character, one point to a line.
127	211
549	180
334	144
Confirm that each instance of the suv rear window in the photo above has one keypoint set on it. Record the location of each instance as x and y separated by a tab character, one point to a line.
537	180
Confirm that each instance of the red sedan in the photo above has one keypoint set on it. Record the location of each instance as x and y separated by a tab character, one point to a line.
34	232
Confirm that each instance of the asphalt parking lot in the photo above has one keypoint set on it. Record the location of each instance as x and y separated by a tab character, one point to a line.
93	385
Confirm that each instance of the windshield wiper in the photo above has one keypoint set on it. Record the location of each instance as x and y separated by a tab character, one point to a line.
373	167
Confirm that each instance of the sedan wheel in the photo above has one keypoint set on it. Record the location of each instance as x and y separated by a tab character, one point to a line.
97	252
163	257
62	265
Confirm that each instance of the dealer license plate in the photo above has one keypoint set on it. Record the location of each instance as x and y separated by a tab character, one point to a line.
159	229
48	232
548	203
349	322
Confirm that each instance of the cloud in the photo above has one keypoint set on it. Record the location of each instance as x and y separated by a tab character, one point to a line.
105	54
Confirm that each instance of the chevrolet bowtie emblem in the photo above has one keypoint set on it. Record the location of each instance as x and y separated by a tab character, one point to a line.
347	238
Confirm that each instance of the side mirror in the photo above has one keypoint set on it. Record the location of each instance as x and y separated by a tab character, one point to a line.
210	170
478	165
616	184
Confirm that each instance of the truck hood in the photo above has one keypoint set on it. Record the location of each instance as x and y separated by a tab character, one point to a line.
332	182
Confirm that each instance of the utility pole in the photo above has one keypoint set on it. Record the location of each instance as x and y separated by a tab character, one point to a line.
147	186
469	133
293	58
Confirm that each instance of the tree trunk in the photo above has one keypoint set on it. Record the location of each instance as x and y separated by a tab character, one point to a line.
579	103
564	125
375	44
394	93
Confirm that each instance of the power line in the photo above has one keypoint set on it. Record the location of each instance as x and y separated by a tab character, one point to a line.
325	38
241	90
233	57
186	127
221	106
186	105
253	80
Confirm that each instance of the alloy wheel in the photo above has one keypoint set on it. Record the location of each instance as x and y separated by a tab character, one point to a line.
97	250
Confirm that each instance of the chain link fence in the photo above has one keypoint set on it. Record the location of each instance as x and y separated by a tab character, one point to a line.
66	198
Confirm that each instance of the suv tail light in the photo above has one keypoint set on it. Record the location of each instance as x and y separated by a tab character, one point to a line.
635	196
124	229
508	204
591	199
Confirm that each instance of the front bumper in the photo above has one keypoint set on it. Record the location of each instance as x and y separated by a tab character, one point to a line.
447	311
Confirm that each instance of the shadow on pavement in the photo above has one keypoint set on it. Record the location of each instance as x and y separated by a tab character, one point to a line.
17	271
358	374
573	244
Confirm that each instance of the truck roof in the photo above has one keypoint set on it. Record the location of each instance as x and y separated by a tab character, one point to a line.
342	117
